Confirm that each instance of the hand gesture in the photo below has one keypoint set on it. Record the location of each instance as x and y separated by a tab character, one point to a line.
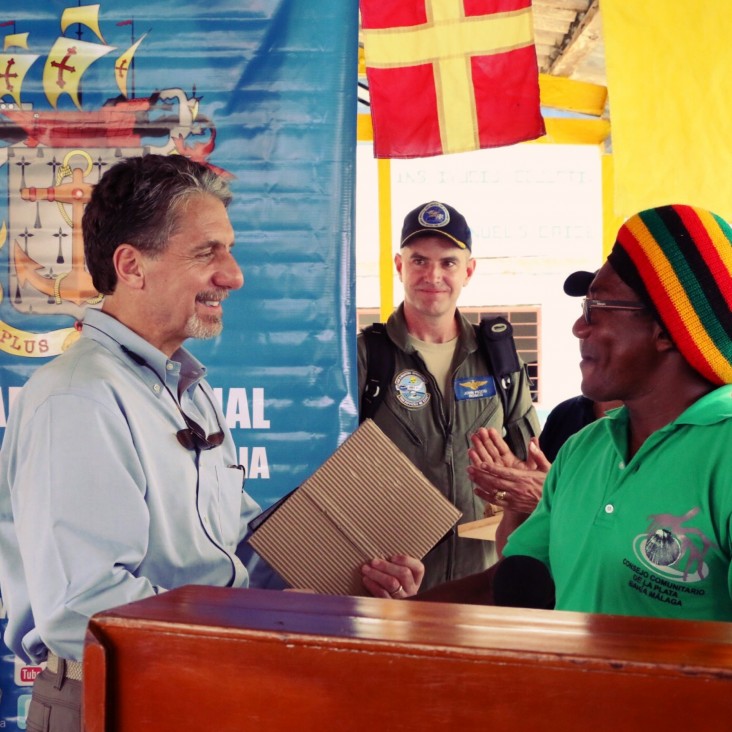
501	478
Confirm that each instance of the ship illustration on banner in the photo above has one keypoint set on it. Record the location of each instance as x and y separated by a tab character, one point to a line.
54	158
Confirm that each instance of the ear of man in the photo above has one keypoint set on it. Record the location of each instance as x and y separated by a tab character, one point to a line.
471	269
398	264
677	365
129	263
662	339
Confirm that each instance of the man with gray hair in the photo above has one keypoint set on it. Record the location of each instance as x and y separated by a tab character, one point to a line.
118	474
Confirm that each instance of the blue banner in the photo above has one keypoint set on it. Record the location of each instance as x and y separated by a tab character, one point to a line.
263	91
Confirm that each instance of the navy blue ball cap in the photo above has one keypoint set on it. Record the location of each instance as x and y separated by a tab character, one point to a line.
437	218
577	284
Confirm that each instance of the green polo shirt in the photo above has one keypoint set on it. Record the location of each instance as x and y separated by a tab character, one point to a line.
649	536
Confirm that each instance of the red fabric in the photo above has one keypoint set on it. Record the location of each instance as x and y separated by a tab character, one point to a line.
485	7
404	102
507	91
404	120
393	13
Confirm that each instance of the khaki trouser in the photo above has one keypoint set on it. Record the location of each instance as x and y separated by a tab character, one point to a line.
56	702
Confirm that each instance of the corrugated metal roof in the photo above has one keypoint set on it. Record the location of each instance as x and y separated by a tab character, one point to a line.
569	43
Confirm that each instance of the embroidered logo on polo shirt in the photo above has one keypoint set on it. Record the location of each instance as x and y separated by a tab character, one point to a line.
671	558
411	389
676	551
474	387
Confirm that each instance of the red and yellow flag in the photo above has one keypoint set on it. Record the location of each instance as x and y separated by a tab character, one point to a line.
450	76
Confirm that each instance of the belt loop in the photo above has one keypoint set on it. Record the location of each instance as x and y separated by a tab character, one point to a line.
60	674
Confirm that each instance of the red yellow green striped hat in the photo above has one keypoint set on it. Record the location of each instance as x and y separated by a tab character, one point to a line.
679	260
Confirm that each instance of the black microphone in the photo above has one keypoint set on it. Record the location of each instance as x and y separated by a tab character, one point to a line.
522	581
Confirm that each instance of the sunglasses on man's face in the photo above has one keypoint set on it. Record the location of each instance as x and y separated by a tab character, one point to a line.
588	305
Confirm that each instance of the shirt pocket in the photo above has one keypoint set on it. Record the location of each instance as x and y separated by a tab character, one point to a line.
219	500
490	416
397	421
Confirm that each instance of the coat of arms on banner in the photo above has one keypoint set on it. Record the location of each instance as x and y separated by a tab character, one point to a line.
54	157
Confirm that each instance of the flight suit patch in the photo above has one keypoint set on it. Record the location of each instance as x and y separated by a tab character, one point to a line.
474	387
411	389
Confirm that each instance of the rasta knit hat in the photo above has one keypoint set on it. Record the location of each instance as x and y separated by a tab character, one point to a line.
678	259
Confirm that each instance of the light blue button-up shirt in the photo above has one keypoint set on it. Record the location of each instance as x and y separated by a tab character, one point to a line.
99	503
